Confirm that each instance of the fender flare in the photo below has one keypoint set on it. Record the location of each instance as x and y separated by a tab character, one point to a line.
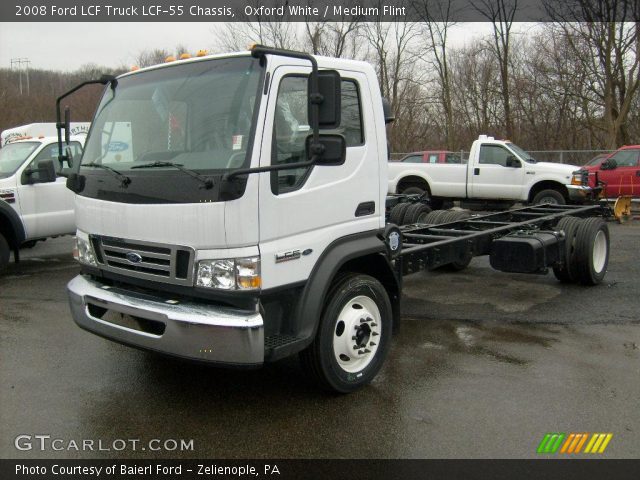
546	179
8	214
340	251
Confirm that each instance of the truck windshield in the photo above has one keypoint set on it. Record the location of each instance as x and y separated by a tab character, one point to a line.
521	153
13	155
199	115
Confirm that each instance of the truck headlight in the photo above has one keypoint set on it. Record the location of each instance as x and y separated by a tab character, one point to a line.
83	251
229	274
580	178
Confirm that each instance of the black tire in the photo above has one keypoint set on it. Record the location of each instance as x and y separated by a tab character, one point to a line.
415	212
565	272
432	218
321	360
397	213
5	253
413	191
549	196
591	255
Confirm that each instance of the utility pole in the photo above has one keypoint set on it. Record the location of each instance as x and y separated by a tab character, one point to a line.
22	65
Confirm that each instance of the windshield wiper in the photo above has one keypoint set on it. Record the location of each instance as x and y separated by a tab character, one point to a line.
206	182
124	180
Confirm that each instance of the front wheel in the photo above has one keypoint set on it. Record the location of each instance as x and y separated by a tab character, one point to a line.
353	337
553	197
5	253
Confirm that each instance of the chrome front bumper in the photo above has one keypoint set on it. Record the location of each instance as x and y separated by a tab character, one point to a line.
579	193
186	329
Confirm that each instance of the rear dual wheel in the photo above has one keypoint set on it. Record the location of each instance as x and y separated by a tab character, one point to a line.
586	250
408	213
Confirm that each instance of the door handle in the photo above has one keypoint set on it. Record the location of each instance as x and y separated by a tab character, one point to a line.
476	171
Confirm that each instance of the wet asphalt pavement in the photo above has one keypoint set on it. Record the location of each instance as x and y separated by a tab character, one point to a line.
484	365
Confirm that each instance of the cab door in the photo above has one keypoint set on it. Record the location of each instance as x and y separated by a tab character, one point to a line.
47	208
624	179
303	210
498	174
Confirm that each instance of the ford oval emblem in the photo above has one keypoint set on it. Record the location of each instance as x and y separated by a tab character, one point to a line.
133	257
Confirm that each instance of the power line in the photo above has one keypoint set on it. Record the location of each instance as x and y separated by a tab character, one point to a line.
22	65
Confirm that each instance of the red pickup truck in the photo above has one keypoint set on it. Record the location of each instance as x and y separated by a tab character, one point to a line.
432	156
617	173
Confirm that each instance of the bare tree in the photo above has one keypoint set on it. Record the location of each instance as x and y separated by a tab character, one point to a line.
435	17
271	30
501	14
605	40
391	55
147	58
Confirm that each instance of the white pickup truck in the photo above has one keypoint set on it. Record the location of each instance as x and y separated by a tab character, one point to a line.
34	202
497	171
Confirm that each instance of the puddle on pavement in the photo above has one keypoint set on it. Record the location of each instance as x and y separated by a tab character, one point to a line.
489	340
511	295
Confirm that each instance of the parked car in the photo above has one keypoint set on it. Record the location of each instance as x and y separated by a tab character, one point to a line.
616	175
432	156
34	201
498	173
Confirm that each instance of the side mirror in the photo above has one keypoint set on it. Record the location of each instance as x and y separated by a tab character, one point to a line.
609	164
46	172
513	162
333	149
388	112
329	102
75	182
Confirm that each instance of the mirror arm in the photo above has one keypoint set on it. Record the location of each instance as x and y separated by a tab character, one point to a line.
104	79
270	168
315	98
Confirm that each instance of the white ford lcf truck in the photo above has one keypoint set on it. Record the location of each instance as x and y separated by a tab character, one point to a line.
247	222
497	170
34	201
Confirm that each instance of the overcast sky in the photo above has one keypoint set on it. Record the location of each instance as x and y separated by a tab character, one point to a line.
67	46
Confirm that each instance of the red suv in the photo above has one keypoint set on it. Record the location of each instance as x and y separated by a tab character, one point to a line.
432	156
617	174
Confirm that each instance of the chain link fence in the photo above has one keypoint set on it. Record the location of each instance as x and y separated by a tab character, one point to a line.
570	157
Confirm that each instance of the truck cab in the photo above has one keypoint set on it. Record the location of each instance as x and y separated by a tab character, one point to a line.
183	253
34	201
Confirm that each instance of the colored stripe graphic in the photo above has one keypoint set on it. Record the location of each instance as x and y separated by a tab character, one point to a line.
550	443
598	443
572	443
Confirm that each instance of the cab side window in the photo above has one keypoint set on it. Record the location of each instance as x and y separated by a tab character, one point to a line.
494	155
413	159
50	152
626	158
291	129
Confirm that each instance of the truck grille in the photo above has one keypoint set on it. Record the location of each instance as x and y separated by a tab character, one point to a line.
153	261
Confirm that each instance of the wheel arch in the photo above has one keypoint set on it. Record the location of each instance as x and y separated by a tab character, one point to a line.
11	227
413	181
361	253
547	185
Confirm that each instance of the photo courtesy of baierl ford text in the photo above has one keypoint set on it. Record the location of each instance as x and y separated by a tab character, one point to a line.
311	239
